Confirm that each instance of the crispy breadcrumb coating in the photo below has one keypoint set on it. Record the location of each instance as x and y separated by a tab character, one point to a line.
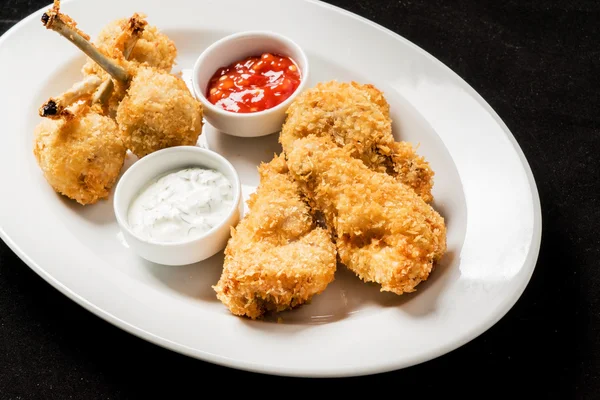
81	157
153	48
385	232
372	93
351	120
411	169
276	258
356	116
158	112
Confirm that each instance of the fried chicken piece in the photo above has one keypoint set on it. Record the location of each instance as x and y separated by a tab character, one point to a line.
385	232
107	96
356	116
276	258
80	155
158	110
153	49
120	46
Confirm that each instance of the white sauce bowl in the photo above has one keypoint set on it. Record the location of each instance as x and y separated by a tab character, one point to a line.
158	163
234	48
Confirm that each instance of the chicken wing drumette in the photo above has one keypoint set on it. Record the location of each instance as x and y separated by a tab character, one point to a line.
79	150
124	45
158	110
77	145
153	49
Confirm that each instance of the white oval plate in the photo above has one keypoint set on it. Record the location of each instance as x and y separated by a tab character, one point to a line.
483	186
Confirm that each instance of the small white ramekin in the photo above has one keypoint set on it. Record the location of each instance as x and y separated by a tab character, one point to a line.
234	48
159	163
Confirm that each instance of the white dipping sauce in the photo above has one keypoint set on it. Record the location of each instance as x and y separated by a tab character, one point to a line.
181	205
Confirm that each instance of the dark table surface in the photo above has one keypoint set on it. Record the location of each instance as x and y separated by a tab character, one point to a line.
537	64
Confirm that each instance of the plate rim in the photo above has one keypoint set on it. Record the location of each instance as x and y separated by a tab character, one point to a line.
530	261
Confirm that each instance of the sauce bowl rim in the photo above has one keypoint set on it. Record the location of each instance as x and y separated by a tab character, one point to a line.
304	72
121	208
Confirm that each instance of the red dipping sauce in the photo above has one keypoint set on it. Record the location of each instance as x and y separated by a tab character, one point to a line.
254	84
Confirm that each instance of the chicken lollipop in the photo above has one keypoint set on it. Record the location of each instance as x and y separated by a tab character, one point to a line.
79	149
128	38
153	49
158	110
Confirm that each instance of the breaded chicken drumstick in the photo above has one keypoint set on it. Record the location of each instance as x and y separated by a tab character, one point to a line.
277	258
80	150
158	110
153	49
78	147
125	43
386	233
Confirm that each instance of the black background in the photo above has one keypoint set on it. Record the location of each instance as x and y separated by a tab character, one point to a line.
537	64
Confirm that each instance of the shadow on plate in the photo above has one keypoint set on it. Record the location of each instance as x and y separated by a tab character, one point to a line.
245	154
347	296
192	280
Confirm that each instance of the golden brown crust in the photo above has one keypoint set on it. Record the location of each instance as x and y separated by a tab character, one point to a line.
276	259
268	247
385	232
356	116
158	112
81	158
375	96
343	113
412	169
153	48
